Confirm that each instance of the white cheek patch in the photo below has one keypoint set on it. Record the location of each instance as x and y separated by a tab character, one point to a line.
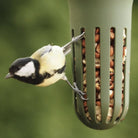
27	70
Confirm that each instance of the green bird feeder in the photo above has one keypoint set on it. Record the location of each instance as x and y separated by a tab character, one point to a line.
101	61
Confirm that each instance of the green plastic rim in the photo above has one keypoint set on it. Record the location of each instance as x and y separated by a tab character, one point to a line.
106	15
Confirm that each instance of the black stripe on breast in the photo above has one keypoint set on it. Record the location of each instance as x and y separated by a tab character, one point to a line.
47	75
61	70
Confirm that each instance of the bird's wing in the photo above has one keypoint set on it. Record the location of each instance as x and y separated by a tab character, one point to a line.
40	52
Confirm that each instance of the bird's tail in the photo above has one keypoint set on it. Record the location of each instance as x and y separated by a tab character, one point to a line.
67	47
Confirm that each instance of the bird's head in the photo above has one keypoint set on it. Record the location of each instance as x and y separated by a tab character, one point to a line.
24	69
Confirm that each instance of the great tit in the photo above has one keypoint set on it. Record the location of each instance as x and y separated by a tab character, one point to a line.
45	66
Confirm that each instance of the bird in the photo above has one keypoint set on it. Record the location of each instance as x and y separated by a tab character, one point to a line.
46	66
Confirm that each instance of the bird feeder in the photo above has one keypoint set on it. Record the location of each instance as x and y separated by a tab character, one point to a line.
101	61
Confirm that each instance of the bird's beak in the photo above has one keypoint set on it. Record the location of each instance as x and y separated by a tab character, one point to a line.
9	75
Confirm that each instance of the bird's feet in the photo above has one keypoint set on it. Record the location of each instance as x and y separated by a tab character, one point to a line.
79	92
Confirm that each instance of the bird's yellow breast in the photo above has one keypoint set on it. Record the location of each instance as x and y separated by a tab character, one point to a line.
50	61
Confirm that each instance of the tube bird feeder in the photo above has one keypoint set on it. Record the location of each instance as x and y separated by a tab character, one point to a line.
101	61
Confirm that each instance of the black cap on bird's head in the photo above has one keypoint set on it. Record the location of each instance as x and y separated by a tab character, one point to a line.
24	69
16	66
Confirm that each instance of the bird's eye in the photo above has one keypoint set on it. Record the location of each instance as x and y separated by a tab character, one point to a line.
19	67
16	69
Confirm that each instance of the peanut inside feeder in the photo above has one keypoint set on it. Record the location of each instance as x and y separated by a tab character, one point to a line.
101	62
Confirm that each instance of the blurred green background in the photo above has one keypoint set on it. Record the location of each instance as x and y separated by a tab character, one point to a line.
27	111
